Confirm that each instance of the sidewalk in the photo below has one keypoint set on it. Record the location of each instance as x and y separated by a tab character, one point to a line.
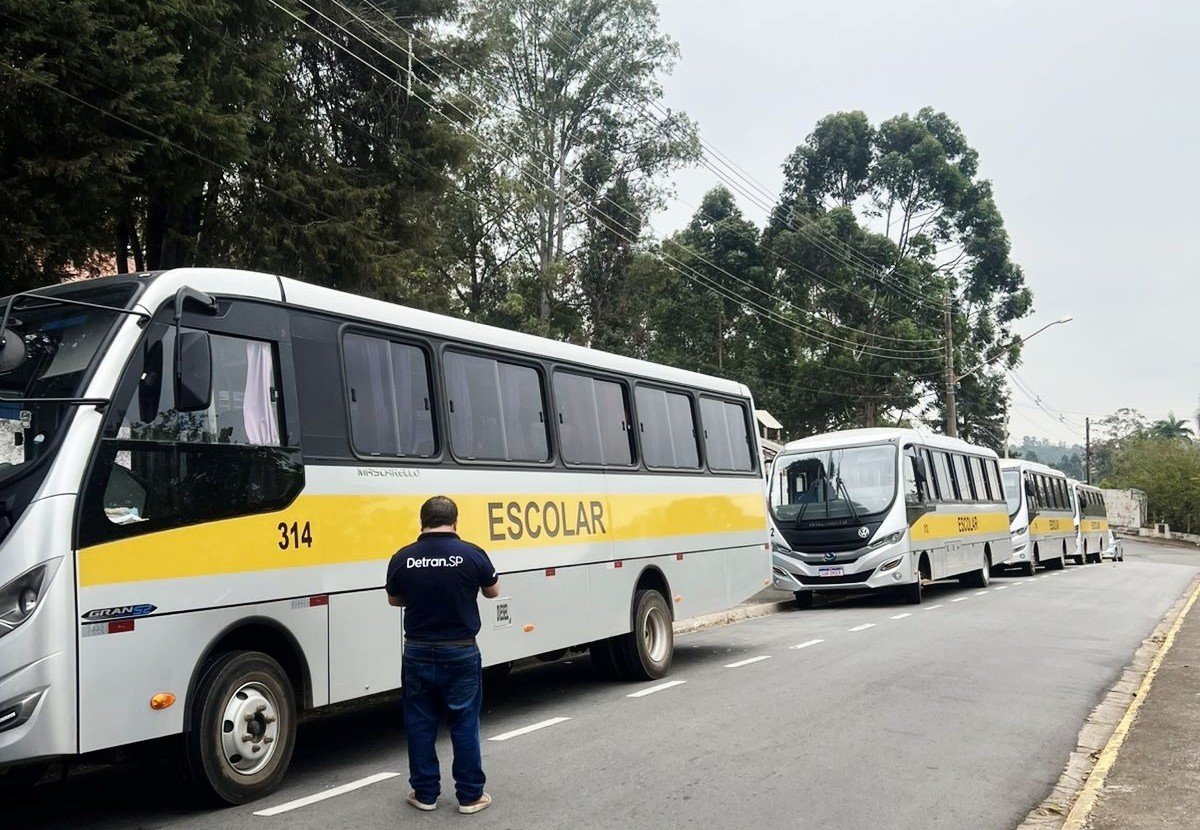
1155	781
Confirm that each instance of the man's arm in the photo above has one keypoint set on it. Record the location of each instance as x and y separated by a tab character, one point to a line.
395	601
492	591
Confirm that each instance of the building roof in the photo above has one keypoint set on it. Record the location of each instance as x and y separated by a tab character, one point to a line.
767	419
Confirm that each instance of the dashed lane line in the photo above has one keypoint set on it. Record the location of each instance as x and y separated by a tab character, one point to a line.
862	627
933	607
668	685
525	730
981	593
959	599
901	616
330	793
747	661
1001	587
806	644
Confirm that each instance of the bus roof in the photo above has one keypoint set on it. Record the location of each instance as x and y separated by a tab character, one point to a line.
1031	466
879	435
227	281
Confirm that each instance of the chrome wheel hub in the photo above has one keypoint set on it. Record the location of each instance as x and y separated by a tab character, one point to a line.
655	634
249	728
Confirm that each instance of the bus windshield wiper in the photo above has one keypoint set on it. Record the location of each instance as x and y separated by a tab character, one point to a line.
845	491
813	489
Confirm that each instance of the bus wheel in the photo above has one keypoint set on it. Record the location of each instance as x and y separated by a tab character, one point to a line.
913	593
604	659
980	578
645	653
1056	564
804	599
1028	568
243	728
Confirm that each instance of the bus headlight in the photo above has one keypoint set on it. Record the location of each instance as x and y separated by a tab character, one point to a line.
1017	531
890	539
21	596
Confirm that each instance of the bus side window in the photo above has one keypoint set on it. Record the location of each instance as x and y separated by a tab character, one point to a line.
158	467
933	487
912	488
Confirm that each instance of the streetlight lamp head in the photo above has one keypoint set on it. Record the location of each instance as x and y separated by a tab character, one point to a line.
1065	319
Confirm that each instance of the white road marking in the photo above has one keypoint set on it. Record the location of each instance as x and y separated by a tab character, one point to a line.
901	616
933	607
331	793
747	662
959	599
981	593
525	730
807	643
862	627
669	684
1001	587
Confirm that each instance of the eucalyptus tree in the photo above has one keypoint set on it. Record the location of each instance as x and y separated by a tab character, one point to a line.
569	98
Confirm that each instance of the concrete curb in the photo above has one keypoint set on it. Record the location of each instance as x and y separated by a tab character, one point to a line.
733	615
1098	731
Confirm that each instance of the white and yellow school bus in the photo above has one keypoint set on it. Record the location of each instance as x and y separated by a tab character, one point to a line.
876	509
206	472
1091	523
1041	515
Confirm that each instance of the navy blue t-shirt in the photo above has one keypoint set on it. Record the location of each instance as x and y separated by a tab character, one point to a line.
438	577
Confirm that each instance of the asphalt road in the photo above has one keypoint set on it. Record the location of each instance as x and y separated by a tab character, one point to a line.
957	713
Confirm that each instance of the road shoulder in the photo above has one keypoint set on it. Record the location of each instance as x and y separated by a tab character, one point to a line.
1085	780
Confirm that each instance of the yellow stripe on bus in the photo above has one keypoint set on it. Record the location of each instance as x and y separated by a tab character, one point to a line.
1051	524
1093	525
954	525
330	530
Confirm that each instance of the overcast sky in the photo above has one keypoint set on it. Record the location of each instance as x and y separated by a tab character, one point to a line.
1086	116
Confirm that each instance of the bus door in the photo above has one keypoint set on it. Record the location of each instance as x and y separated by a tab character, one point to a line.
176	539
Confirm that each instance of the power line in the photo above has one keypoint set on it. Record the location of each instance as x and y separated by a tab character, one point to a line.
829	338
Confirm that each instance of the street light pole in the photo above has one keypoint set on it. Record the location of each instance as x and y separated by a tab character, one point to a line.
953	379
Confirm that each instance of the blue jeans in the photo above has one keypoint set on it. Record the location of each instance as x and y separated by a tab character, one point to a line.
443	681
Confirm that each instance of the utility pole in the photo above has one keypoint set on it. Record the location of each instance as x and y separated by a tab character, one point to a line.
951	402
1087	450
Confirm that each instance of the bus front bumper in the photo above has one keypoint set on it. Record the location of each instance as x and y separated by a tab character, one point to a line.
37	711
888	567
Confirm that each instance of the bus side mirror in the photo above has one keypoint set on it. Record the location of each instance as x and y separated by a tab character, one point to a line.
193	371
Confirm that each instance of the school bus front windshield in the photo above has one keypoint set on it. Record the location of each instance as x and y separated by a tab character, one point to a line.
846	482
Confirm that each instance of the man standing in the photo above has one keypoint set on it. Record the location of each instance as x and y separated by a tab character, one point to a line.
437	579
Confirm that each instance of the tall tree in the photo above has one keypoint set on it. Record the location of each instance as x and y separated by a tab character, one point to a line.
157	134
571	84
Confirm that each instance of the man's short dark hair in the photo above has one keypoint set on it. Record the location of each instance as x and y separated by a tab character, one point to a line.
438	511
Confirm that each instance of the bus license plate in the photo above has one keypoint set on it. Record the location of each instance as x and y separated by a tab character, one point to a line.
829	571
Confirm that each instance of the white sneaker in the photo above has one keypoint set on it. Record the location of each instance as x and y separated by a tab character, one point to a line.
484	801
420	805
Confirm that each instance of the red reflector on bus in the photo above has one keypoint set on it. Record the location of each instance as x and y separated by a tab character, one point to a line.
323	599
117	626
550	571
679	556
617	564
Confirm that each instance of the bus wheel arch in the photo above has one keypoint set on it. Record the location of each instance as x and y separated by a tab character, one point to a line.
263	635
653	579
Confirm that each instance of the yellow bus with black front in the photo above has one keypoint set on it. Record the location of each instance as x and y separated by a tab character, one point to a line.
1041	514
1091	523
884	509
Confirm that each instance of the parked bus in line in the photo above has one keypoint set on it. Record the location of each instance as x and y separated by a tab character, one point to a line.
884	509
1041	514
1091	524
209	469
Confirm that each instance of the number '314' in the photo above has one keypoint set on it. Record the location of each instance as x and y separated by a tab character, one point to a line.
294	535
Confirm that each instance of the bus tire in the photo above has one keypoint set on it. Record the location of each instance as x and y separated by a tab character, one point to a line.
914	592
804	600
244	703
1028	568
1055	564
645	653
980	578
